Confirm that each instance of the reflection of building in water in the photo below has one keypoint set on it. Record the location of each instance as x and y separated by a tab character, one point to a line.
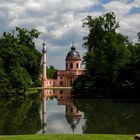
63	98
67	76
72	115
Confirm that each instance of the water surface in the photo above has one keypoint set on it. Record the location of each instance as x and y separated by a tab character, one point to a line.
55	112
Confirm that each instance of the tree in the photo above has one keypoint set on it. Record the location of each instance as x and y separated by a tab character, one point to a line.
21	78
26	37
107	53
138	36
20	60
51	72
98	28
5	84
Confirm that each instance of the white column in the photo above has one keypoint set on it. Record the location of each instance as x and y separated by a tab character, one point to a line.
44	77
44	61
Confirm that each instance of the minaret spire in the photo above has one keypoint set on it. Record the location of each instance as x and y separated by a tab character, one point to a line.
44	77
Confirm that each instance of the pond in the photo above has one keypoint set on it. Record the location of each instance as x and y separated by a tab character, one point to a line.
58	113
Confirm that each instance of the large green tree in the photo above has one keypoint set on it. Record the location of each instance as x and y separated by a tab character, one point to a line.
51	72
19	60
108	52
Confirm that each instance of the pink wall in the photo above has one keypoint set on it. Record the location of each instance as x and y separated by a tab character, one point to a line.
66	77
73	64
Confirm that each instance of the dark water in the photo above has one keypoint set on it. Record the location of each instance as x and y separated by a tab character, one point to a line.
54	112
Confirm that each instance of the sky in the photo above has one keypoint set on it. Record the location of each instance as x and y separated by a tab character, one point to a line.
60	21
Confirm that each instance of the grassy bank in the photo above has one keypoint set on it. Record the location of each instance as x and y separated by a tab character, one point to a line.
68	137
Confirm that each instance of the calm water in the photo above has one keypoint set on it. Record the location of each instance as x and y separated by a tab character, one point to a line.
54	112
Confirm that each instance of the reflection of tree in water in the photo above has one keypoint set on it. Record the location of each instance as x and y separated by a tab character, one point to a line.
106	116
19	115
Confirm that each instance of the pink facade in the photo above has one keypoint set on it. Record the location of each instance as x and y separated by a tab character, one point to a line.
44	77
67	76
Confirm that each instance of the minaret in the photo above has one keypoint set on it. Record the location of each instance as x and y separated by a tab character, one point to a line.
44	78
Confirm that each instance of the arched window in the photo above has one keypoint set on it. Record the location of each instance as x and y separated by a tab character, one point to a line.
61	92
61	82
70	82
77	65
71	65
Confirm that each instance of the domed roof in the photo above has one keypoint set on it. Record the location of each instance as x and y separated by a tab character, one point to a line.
73	54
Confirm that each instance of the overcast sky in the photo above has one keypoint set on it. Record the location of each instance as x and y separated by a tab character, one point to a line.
61	21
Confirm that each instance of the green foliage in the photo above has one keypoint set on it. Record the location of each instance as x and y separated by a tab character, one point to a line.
51	72
109	56
5	84
98	28
138	36
19	60
20	78
26	37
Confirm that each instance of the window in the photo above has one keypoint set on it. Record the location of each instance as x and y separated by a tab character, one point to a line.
61	92
66	65
61	82
61	77
77	65
70	82
71	109
71	65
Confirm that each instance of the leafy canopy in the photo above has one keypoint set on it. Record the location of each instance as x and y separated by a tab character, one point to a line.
19	60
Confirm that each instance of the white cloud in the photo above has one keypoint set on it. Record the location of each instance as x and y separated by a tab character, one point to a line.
61	20
137	3
130	25
121	8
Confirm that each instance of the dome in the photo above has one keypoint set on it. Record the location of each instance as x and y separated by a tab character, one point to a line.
73	54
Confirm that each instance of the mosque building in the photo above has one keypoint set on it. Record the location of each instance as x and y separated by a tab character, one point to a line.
65	77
